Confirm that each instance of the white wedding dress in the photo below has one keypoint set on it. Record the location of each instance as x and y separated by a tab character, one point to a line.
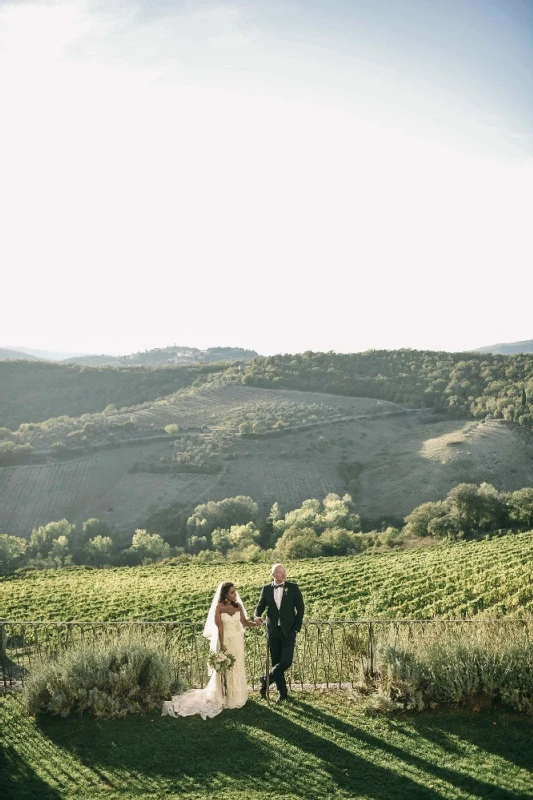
211	701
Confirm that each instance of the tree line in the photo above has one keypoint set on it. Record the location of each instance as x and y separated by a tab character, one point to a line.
457	384
233	530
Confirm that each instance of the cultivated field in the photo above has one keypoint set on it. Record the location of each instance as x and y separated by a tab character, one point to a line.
389	459
465	578
35	494
99	483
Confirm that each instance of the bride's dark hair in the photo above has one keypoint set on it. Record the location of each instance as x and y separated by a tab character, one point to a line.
225	588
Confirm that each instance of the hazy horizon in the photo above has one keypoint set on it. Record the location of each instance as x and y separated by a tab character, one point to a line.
281	176
77	354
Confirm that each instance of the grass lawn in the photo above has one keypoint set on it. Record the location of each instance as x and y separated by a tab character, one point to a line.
317	746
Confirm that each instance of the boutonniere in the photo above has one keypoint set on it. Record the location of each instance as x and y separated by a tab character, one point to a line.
285	590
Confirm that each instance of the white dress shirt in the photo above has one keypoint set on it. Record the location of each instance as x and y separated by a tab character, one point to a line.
278	594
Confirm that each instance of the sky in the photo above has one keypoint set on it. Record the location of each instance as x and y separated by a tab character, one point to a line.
280	175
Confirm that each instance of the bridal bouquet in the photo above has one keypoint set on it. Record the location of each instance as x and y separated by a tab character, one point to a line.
222	662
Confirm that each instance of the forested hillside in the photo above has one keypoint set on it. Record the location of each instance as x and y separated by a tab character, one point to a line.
37	391
168	355
459	384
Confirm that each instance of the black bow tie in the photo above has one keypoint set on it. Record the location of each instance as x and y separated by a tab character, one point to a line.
278	585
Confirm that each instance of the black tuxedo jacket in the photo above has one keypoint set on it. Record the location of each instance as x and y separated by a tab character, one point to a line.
291	611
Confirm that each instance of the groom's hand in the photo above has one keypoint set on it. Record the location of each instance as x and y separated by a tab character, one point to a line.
258	621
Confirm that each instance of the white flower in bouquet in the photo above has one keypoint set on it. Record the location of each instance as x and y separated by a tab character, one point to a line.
221	662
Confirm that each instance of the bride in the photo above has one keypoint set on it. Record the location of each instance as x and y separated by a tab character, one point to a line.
224	628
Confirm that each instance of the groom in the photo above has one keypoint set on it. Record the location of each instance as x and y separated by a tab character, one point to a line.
285	611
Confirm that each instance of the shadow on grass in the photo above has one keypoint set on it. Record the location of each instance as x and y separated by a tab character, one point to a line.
504	735
18	781
515	748
302	746
251	748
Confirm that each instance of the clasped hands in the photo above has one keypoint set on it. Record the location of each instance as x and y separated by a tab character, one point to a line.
258	621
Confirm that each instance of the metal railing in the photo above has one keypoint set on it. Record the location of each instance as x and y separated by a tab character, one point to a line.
328	654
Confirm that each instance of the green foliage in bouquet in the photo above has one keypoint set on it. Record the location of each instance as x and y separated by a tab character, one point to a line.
221	662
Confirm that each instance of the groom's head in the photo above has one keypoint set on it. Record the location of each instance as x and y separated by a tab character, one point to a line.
279	573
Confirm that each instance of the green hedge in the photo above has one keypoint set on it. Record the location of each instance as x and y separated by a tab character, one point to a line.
105	681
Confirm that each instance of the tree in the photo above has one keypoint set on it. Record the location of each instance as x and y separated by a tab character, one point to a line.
149	546
92	428
520	506
332	512
340	542
195	544
306	545
445	527
417	522
60	549
11	453
42	538
172	429
222	514
252	554
12	550
219	540
299	543
339	513
99	550
95	527
391	537
304	517
474	508
238	536
82	533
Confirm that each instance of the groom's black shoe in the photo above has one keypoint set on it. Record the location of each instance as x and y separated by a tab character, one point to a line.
282	698
263	689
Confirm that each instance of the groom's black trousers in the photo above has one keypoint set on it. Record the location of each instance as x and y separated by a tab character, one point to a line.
281	654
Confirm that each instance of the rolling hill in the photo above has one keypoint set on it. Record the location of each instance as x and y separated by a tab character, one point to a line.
391	459
460	385
159	356
47	355
508	348
135	445
38	391
102	483
16	355
168	355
